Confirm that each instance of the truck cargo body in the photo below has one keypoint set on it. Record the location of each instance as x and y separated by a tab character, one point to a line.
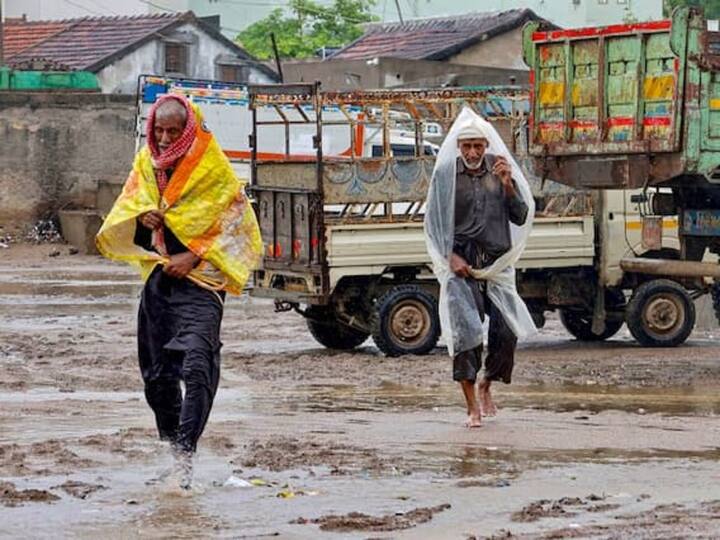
626	105
637	106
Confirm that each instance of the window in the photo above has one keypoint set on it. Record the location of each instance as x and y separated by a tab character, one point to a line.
231	73
602	1
622	1
176	58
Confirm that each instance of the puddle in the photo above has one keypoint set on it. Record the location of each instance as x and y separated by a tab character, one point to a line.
695	400
354	435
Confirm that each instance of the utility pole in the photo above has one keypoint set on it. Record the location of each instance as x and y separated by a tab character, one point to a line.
397	5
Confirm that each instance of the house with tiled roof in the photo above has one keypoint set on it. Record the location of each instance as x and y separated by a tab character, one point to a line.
119	49
472	49
492	39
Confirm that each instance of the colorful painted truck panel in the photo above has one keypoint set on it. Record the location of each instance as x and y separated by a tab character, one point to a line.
625	105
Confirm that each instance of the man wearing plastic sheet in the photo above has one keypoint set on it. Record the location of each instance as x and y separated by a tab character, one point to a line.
478	217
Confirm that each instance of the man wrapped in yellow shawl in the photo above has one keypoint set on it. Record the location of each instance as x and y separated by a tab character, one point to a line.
184	220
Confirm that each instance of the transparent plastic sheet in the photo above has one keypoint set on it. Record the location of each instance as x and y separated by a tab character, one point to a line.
459	319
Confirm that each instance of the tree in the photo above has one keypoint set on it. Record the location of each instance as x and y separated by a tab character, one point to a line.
711	7
308	27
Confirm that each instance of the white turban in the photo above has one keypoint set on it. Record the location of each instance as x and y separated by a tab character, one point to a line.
472	131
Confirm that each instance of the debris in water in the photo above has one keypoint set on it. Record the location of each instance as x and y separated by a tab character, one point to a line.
236	482
45	231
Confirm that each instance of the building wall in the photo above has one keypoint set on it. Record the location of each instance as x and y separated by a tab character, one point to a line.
235	17
204	51
503	51
565	13
121	77
394	72
37	10
57	148
576	13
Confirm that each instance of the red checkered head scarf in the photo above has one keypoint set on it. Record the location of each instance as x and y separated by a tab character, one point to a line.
167	159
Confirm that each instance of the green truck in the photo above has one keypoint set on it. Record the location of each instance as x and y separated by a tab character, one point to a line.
638	106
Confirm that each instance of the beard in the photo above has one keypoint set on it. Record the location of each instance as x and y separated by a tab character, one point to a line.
474	165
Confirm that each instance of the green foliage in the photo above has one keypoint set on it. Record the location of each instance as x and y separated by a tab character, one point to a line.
711	7
307	27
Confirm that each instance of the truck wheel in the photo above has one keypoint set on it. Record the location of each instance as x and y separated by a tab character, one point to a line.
406	321
333	334
579	321
660	314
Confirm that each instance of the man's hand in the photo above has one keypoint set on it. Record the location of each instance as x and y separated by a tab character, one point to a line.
152	220
181	264
502	170
459	266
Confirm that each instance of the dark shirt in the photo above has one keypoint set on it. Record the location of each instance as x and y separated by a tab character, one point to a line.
483	214
143	238
143	235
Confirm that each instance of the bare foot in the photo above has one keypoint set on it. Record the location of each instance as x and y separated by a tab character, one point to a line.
473	420
486	401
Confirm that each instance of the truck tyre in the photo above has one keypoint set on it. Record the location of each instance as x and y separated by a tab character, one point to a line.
579	321
660	314
406	321
333	334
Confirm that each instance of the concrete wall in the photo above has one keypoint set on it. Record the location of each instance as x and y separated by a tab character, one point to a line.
57	148
394	73
121	76
503	51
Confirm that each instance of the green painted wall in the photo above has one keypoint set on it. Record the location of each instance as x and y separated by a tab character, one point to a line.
47	80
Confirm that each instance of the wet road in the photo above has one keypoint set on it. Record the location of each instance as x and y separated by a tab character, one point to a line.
592	441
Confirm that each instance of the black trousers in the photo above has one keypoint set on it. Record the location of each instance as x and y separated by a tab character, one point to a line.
502	341
179	340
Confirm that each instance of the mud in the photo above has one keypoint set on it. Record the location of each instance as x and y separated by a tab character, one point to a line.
283	453
40	458
80	490
603	440
673	521
565	507
11	496
356	521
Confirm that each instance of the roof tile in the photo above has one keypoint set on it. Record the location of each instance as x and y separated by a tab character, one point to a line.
19	35
433	38
81	43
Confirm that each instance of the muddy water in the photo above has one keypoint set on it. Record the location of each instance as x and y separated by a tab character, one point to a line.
601	441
